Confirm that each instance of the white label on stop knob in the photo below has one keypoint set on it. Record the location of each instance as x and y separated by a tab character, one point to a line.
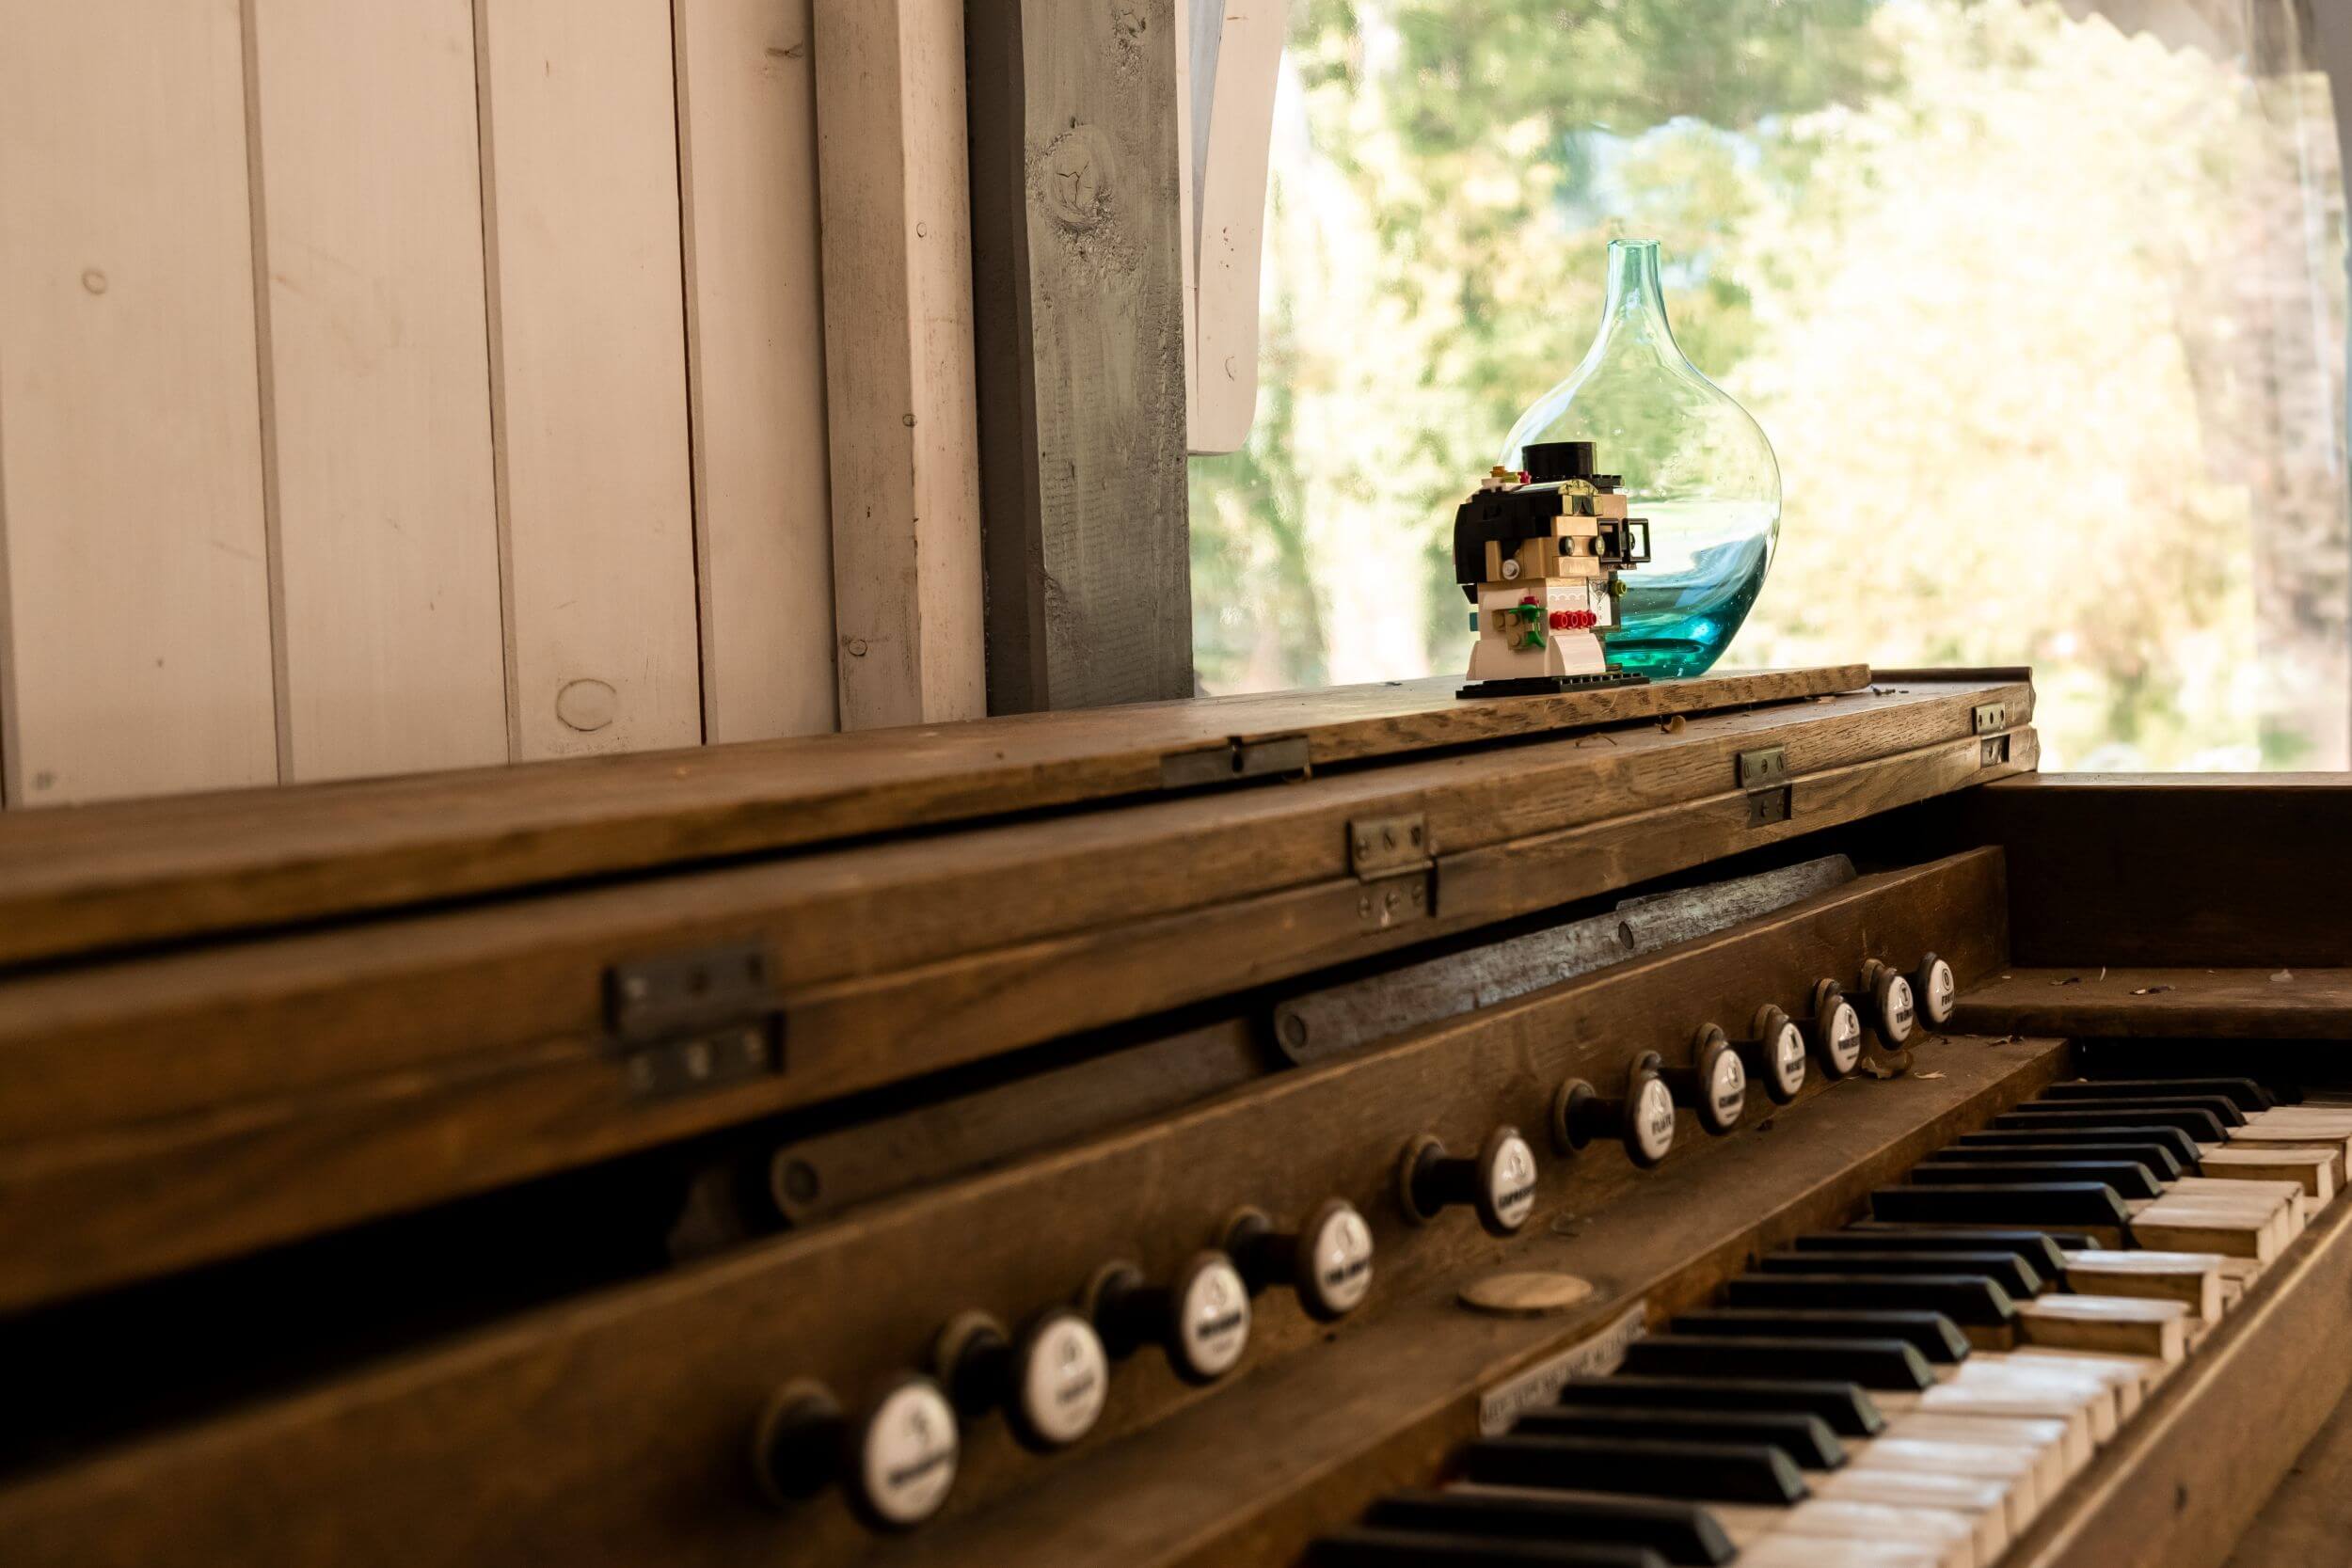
1942	990
1065	1381
1727	1086
1786	1054
1343	1261
1901	1012
1654	1121
1213	1320
1511	1183
1845	1034
910	1455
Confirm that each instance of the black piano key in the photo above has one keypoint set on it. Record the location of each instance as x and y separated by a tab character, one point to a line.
2050	1203
1844	1406
2044	1251
2244	1092
1872	1363
1718	1472
2224	1109
1402	1548
2015	1275
2195	1121
2158	1157
1931	1334
1681	1533
2183	1147
1970	1300
1805	1439
2128	1177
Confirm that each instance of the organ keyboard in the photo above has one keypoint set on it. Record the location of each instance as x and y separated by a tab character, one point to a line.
1754	1119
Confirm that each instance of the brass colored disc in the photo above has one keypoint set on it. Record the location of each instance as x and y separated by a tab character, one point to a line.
1526	1295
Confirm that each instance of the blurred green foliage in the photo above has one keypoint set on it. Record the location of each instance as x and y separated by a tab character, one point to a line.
2045	321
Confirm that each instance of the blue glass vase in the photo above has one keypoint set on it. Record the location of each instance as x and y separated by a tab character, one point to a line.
1693	463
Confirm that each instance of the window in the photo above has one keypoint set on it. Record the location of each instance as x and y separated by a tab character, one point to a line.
2042	306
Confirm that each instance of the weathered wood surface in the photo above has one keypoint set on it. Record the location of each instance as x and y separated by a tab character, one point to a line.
2178	1486
2187	869
446	1456
899	362
2309	1518
147	871
403	1062
1078	290
2284	1004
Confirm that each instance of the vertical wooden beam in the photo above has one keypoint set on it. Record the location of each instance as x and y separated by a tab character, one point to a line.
1079	288
377	381
138	654
906	530
579	134
756	364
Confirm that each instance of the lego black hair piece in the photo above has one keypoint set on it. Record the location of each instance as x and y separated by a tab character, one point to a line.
1504	517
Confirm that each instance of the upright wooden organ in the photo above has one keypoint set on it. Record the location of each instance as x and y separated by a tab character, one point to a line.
1752	1119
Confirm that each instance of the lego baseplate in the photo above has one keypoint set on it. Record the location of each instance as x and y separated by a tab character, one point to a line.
1548	685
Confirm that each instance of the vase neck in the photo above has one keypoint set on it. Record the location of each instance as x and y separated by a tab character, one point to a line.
1636	312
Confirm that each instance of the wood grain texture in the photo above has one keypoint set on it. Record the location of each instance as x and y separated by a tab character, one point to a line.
117	876
589	356
379	417
2165	869
335	1475
2309	1518
453	1053
2179	1485
898	361
135	643
1079	287
2286	1004
756	351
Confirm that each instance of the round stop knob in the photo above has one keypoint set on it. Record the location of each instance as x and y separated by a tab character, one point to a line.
1642	1116
1935	988
1715	1084
1050	1381
1892	1012
1834	1033
1499	1182
1775	1053
1327	1259
1199	1318
894	1461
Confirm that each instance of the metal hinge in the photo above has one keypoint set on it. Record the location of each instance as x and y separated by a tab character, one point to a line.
1396	900
1235	759
1995	750
1991	717
1764	774
1381	845
1390	856
1766	765
701	1018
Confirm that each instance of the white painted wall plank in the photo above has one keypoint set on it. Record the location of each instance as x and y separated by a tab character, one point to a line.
136	654
589	375
755	360
387	521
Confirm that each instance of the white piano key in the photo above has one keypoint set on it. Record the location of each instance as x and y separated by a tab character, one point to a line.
1983	1502
1910	1529
2313	1170
1796	1551
1982	1462
2193	1278
2042	1435
2120	1326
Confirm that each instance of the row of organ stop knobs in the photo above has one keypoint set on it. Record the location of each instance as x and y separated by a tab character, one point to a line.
895	1459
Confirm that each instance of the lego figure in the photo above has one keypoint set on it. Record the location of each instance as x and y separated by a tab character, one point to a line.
1537	554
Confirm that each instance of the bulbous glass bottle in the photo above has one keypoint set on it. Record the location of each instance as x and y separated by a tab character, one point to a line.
1693	463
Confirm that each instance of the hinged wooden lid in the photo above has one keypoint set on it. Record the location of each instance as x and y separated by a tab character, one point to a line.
84	879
